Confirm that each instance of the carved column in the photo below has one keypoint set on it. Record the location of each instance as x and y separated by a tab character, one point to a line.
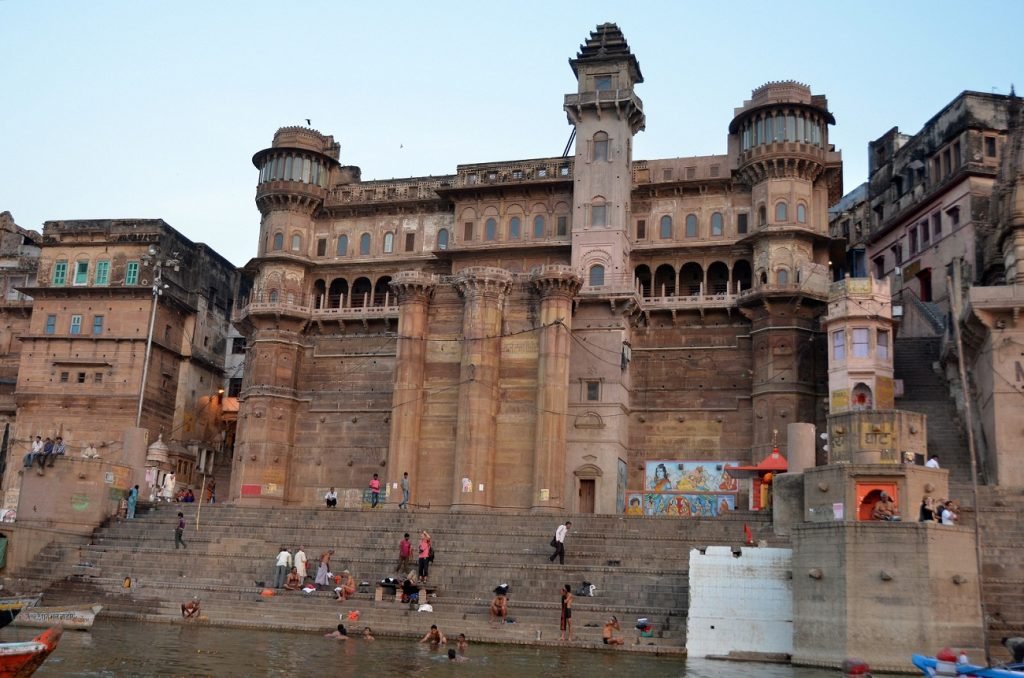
414	289
484	291
557	285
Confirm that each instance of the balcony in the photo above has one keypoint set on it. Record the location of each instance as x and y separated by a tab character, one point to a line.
271	304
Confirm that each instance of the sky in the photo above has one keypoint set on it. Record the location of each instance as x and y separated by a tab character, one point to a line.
154	109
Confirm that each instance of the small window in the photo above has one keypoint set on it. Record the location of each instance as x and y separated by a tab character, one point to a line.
717	224
321	247
51	324
60	273
410	242
342	246
781	213
81	272
861	344
990	147
691	225
442	239
593	391
81	377
926	233
468	231
490	229
741	223
879	263
278	242
882	350
296	242
897	253
596	275
538	227
762	216
801	213
641	229
234	387
542	172
131	273
563	226
954	215
64	376
839	345
389	242
782	276
364	244
97	324
238	346
665	230
599	215
517	174
273	296
76	324
912	239
515	228
97	377
563	171
102	273
602	83
600	147
666	174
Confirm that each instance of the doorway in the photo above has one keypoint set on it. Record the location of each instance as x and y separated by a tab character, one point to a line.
587	493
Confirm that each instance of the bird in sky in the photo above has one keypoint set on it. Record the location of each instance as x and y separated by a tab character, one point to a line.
308	123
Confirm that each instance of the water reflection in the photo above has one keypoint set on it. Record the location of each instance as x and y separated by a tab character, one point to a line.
119	649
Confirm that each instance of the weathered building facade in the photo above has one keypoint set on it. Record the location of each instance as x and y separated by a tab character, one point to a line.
81	367
548	334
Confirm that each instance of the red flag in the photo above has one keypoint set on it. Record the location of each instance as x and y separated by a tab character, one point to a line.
748	534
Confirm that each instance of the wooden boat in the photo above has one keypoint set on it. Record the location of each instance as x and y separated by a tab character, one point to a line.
69	616
11	606
942	666
22	659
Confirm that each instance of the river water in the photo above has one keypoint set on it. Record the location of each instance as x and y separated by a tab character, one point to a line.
119	648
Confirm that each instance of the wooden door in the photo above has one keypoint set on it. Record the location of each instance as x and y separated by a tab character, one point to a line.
587	492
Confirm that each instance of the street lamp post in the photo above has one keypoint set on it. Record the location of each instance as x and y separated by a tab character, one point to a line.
153	257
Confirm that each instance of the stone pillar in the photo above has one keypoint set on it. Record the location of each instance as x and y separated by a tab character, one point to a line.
413	289
484	291
557	285
801	446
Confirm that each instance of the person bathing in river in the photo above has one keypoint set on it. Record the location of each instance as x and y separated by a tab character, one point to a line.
341	633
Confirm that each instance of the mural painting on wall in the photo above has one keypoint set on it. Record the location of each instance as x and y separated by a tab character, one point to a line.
684	489
620	487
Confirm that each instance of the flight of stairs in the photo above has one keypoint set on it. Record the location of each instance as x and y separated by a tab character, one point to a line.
639	566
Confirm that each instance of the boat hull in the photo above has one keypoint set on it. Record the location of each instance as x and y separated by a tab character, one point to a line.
11	607
18	660
76	617
930	666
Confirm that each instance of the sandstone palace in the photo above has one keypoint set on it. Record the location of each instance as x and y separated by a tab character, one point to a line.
553	334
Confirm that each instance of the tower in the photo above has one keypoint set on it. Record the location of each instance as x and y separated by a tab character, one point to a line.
294	174
606	114
780	141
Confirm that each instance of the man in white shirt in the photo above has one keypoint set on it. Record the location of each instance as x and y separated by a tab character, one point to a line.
300	563
37	451
947	517
558	542
331	498
933	461
284	564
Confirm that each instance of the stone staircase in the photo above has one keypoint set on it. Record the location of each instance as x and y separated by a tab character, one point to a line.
639	566
925	391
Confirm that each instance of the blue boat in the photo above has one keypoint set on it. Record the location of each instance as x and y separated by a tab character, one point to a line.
931	667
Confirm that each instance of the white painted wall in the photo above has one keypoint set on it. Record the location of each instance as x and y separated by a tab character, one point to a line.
740	604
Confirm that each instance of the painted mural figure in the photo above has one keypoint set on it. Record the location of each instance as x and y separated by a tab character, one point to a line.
661	480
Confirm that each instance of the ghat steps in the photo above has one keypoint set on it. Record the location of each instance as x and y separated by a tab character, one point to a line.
639	566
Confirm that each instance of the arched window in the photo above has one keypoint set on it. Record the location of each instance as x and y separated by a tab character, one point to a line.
514	228
782	276
364	244
600	147
342	245
538	226
801	213
442	239
278	241
762	216
273	296
490	230
717	224
665	232
596	275
389	242
296	242
781	212
691	225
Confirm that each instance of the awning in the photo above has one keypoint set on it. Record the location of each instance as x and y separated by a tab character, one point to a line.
773	463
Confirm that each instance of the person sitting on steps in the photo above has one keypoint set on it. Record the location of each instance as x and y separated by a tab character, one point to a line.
608	632
499	608
884	508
